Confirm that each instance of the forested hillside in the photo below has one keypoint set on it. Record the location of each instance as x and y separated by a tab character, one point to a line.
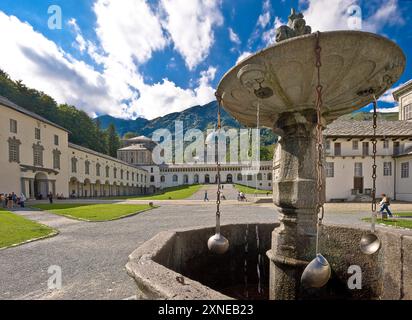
84	130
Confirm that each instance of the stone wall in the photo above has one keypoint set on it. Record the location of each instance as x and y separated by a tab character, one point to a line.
178	265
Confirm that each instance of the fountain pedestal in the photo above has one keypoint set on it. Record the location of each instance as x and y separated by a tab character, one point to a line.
282	80
294	241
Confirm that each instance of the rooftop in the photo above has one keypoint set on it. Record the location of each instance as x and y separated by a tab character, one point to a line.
104	156
350	128
404	88
134	147
7	103
140	138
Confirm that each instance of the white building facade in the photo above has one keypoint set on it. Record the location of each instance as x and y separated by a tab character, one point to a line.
36	159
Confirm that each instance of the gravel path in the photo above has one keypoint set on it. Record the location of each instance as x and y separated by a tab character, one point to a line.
93	255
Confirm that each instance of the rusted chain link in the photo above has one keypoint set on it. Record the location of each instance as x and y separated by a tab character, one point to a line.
319	140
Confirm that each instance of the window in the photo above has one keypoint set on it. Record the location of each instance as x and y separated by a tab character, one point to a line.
185	179
338	150
127	175
249	177
132	176
56	140
98	169
358	169
13	126
74	165
175	178
56	159
405	170
14	150
87	167
38	154
151	170
386	144
37	135
327	144
365	148
115	173
107	171
270	176
152	179
239	177
355	145
330	169
121	174
387	168
396	147
162	179
407	112
259	177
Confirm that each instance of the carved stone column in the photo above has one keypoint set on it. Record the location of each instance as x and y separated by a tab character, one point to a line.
293	242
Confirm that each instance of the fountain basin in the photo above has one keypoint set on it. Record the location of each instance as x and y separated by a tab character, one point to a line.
177	265
355	65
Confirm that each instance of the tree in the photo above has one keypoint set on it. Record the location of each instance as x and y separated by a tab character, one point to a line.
113	141
129	135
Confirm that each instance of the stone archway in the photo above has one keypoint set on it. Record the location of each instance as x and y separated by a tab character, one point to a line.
41	185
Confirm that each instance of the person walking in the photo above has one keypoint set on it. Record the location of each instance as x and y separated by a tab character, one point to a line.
3	199
14	198
50	196
9	201
206	196
385	203
22	200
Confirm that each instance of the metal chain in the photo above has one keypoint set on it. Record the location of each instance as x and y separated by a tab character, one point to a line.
374	166
258	132
219	126
319	140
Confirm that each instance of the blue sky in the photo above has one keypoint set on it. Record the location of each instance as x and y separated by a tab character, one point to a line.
148	58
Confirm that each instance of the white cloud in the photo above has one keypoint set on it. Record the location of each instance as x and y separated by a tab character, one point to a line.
234	37
387	110
165	97
81	43
324	15
128	30
388	95
244	55
264	19
190	25
41	64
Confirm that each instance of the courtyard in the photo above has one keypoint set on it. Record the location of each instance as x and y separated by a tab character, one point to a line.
93	255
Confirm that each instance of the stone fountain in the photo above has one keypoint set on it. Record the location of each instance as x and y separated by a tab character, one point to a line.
355	66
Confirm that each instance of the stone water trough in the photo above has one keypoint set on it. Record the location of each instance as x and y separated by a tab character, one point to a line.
178	265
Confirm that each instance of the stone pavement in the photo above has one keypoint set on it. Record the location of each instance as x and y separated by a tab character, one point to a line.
228	191
93	255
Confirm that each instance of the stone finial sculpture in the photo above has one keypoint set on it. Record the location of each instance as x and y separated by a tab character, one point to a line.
296	27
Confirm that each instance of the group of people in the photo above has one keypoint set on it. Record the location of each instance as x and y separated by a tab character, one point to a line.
11	200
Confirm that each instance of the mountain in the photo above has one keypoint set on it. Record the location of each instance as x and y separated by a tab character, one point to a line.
203	118
359	116
122	126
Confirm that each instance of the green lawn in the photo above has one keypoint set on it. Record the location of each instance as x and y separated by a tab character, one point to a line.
251	190
175	193
397	222
94	212
15	229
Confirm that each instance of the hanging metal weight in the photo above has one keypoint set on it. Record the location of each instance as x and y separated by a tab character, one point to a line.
370	242
217	243
317	273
